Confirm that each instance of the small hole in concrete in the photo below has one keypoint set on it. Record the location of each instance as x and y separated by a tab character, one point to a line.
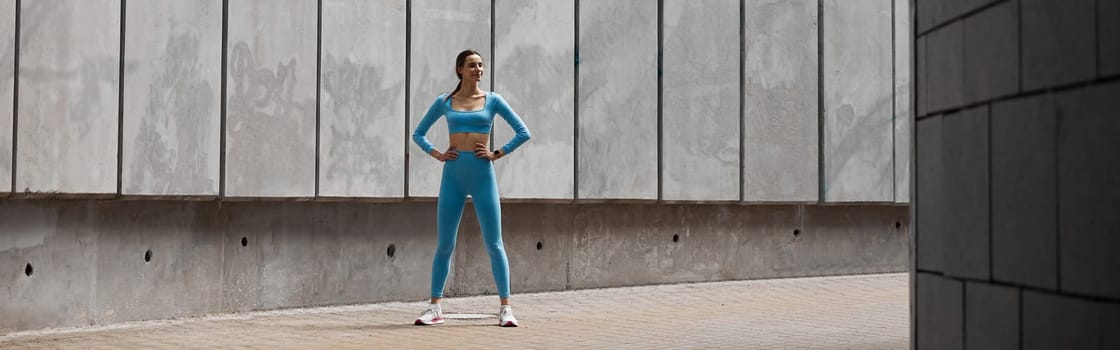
897	224
392	251
244	241
796	233
676	238
28	270
539	245
148	256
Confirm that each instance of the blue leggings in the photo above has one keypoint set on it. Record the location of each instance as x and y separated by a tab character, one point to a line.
468	175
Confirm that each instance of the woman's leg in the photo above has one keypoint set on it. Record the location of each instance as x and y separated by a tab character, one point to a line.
449	211
489	211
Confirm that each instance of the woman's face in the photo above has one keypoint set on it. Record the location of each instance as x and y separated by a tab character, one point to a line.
472	68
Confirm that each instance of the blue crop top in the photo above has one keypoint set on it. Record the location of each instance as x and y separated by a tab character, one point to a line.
479	121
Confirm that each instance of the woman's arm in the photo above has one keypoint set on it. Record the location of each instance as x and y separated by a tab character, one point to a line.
514	121
419	136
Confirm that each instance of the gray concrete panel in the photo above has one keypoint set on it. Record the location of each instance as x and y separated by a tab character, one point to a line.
362	91
1024	204
172	98
992	315
903	99
531	269
944	68
617	100
780	114
858	145
534	70
440	30
930	187
921	102
939	312
270	98
1089	185
68	96
700	90
7	84
1059	42
991	49
965	157
1108	27
1059	322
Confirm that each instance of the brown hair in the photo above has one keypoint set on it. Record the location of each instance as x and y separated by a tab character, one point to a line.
459	60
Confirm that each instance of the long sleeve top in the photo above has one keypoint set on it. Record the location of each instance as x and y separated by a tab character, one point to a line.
478	121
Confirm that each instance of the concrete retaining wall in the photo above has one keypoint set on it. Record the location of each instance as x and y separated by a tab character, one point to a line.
81	262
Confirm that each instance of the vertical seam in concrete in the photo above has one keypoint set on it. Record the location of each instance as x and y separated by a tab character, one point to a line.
742	99
894	106
820	104
1096	37
15	98
224	101
1019	24
964	312
318	87
407	88
120	103
1020	290
1057	197
493	60
660	107
575	109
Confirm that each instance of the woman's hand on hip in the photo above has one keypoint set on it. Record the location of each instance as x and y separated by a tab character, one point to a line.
480	151
451	154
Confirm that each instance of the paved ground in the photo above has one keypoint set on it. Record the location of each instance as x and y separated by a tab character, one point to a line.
850	312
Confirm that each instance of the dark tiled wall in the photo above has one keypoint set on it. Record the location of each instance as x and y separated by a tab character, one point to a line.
1017	207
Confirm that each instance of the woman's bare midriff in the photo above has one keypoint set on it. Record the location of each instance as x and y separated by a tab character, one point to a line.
465	142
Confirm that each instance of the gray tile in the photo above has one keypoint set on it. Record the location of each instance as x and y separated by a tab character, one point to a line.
992	316
1024	203
440	30
270	98
7	83
362	94
700	94
903	99
1108	27
991	53
69	80
780	115
617	100
857	62
1089	190
1059	41
533	70
940	304
172	98
945	70
1059	322
930	204
965	137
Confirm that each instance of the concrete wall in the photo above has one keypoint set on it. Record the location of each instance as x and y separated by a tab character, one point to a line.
362	99
171	134
780	101
7	96
720	101
532	68
1016	175
82	262
271	123
69	85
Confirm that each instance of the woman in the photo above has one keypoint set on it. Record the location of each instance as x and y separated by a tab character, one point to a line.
470	116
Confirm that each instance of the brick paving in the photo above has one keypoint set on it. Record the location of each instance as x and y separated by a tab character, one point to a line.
846	312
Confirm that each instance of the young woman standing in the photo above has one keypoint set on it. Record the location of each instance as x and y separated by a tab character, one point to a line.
470	116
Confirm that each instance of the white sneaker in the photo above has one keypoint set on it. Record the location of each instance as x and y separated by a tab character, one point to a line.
505	317
433	315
